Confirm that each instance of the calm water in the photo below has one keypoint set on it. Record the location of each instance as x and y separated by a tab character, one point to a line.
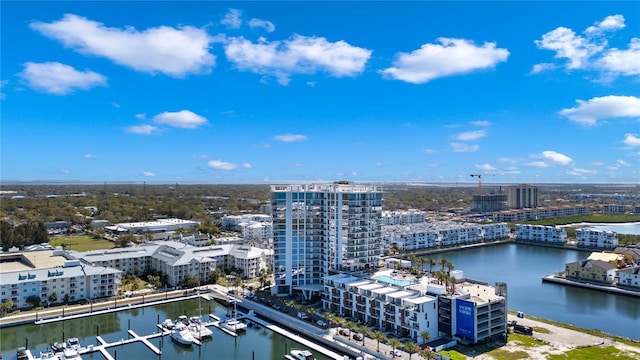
258	343
522	267
630	229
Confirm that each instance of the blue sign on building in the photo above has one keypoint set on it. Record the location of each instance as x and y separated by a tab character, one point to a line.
465	319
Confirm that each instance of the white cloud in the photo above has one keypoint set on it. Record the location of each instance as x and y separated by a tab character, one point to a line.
247	165
221	165
175	52
59	79
537	164
597	163
3	83
298	55
485	167
290	137
181	119
267	25
141	116
298	164
508	160
379	163
450	57
626	62
581	172
461	147
538	68
88	156
623	163
143	129
631	140
232	19
480	123
589	51
551	157
148	174
610	23
606	107
471	135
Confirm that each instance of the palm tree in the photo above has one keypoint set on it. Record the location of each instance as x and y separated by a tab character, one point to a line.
311	311
351	326
394	343
365	331
421	260
428	354
425	335
443	262
379	336
331	319
411	348
338	320
449	267
453	284
431	262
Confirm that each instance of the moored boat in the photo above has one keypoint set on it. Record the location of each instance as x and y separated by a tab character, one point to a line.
302	355
181	334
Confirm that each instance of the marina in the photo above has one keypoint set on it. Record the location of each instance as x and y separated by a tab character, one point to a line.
113	340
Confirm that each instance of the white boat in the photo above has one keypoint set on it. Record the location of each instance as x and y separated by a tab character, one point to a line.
233	325
70	354
182	334
73	343
198	329
66	354
302	355
168	324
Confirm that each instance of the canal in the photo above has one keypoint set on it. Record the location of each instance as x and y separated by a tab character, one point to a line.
257	343
522	266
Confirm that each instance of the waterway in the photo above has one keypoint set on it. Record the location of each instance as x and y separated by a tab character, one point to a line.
522	266
257	343
627	228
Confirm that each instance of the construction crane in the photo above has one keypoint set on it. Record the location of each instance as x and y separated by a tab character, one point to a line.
479	176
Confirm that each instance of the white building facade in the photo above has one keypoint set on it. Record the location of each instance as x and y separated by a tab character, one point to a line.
325	227
596	239
540	233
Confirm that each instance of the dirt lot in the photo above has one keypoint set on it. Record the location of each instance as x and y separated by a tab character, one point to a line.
556	340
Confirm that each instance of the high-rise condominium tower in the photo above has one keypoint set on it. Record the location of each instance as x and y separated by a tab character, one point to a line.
322	228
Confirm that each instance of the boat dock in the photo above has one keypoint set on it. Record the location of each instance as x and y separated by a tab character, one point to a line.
216	322
311	345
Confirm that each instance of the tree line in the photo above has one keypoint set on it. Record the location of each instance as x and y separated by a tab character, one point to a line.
29	233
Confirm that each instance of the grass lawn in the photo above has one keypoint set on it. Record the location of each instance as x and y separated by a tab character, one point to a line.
595	353
501	354
453	355
81	243
526	341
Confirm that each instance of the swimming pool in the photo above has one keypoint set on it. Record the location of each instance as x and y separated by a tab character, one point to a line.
393	281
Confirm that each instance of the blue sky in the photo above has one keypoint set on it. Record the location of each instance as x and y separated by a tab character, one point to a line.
270	92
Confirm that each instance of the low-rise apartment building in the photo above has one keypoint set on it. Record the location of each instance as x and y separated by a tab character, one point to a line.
540	233
402	217
629	277
539	213
442	233
596	239
53	278
591	270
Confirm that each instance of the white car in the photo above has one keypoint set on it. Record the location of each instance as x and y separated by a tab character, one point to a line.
395	352
321	323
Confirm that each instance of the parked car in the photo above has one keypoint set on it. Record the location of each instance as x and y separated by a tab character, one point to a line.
395	352
302	315
276	306
344	332
357	337
321	323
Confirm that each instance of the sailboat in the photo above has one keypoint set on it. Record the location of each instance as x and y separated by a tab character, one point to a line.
232	323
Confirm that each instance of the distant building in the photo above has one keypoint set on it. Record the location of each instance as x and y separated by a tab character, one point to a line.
629	277
522	196
488	203
540	233
614	209
540	213
596	239
161	225
400	217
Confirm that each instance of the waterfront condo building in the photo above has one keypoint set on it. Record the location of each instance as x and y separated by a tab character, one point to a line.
319	228
540	233
596	239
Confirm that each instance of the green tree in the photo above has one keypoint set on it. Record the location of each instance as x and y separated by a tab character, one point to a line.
379	336
33	300
431	263
312	311
425	335
365	331
190	282
66	299
428	354
6	306
444	263
53	298
394	343
351	326
411	348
